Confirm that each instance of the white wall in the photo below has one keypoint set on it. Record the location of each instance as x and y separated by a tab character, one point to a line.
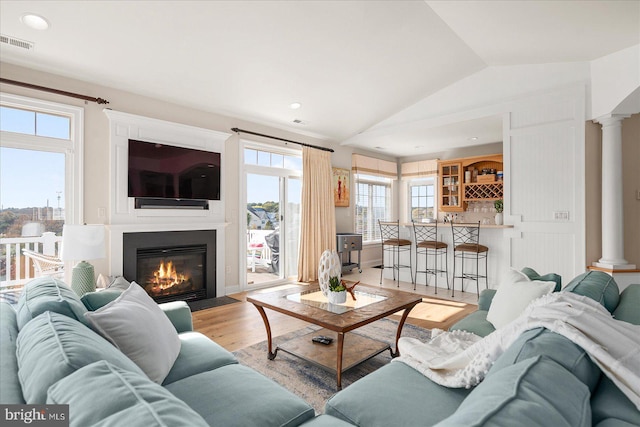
613	78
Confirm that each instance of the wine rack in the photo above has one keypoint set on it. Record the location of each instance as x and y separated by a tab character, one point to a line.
483	191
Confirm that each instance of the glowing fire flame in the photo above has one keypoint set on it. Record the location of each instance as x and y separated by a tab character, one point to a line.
166	276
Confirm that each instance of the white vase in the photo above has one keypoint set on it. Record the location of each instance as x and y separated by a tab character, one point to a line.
499	218
329	266
337	297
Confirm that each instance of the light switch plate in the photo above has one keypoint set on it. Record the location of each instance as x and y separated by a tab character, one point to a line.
561	215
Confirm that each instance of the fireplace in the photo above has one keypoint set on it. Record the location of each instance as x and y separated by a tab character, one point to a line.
172	265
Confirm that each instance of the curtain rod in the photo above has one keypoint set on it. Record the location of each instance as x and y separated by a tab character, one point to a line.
282	139
56	91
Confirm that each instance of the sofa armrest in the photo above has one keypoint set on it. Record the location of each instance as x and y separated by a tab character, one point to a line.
484	301
179	314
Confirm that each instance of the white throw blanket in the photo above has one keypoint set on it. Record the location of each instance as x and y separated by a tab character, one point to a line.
462	359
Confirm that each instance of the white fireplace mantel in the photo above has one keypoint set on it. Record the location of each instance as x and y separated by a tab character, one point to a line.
125	218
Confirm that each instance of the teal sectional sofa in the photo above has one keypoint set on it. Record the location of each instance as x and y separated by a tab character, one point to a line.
542	379
50	355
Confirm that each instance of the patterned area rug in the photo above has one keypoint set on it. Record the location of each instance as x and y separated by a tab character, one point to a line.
313	384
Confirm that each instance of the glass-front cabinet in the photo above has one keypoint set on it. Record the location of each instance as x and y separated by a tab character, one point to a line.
450	186
470	179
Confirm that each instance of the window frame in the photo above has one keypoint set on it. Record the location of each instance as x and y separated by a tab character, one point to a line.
73	148
419	182
372	236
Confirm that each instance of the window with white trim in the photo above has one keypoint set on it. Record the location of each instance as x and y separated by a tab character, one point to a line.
419	180
422	199
373	203
41	153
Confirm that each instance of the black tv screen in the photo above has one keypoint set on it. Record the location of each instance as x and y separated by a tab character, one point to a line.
170	172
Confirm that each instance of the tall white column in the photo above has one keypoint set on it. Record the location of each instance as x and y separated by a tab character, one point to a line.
612	206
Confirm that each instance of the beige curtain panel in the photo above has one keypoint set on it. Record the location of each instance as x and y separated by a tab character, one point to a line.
317	216
372	166
419	169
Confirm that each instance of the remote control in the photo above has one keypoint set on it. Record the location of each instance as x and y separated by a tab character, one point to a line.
321	339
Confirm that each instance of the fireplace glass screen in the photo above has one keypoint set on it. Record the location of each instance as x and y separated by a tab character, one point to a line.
166	272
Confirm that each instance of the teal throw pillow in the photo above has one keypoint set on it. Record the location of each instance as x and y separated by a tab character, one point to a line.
598	286
133	401
48	294
534	392
52	346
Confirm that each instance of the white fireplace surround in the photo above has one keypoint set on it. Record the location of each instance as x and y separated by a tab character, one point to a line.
124	218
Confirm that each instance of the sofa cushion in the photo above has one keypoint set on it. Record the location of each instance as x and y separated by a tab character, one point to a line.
550	277
179	315
515	293
133	399
48	294
608	402
542	342
53	346
627	309
598	286
395	395
485	299
534	392
95	300
613	422
197	354
475	323
10	391
326	421
235	395
137	326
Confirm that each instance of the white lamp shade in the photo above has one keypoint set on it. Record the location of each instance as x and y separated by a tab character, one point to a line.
83	242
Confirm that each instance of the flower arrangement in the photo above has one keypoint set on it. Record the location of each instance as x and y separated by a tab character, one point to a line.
336	285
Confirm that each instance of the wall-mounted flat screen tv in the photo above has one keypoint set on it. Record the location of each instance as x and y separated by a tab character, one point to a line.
170	172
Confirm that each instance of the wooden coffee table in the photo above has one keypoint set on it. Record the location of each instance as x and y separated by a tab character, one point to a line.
371	304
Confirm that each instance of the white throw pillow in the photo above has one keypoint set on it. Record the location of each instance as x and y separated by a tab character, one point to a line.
112	282
514	295
139	328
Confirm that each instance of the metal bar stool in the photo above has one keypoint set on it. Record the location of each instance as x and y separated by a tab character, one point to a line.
392	243
466	246
427	244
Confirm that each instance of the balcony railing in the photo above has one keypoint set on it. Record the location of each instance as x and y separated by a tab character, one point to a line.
15	268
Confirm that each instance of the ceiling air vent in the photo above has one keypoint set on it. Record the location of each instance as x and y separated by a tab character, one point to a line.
299	122
12	41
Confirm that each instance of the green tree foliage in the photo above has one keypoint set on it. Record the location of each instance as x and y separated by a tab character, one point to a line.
267	206
7	219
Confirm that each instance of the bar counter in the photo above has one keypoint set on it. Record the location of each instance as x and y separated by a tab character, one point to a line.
491	235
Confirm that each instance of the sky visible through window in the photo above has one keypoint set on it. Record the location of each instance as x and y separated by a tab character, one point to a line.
32	178
262	188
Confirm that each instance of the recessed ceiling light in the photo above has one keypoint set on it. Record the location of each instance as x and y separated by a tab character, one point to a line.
34	21
473	138
295	105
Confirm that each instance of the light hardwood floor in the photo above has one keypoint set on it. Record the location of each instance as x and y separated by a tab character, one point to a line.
238	325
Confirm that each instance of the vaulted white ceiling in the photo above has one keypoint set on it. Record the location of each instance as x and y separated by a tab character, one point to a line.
355	66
